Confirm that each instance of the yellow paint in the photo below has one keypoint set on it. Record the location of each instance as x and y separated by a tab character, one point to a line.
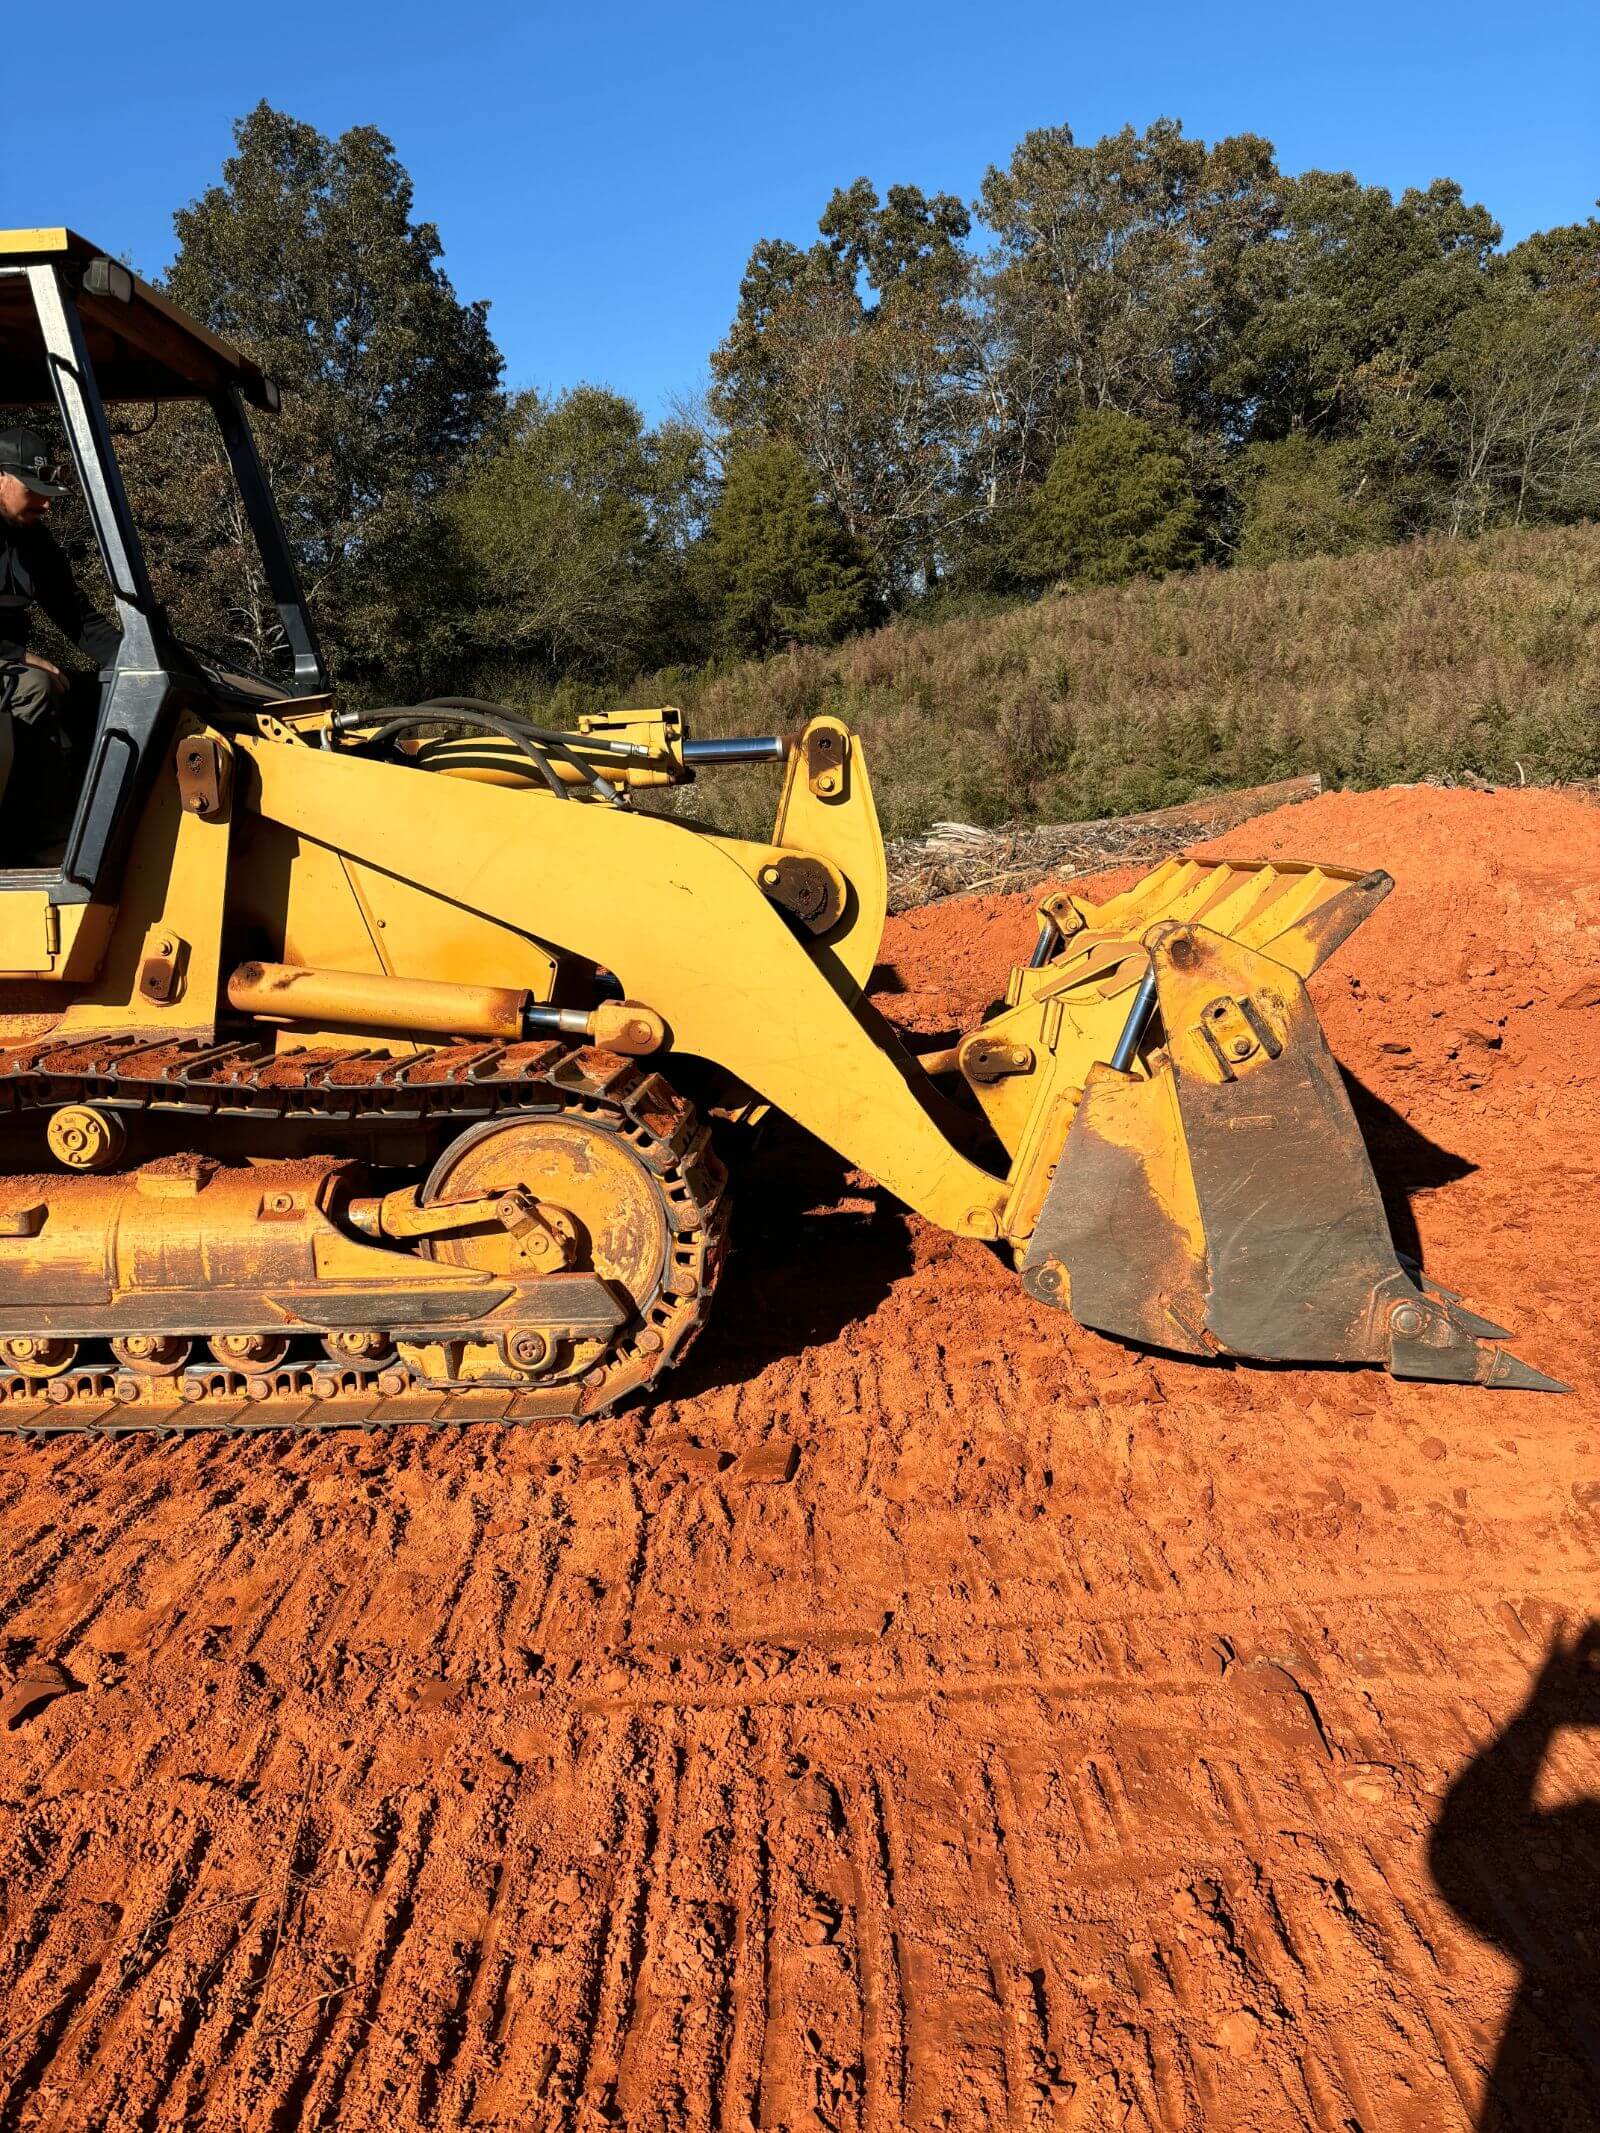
314	905
49	240
26	931
175	882
1262	903
1142	1116
844	831
677	919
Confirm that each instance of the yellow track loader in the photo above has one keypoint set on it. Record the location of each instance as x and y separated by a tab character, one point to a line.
371	1064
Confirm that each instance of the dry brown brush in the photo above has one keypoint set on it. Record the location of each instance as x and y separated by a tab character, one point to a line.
1439	658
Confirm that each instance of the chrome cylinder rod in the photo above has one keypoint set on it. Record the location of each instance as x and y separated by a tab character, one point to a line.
1139	1013
742	748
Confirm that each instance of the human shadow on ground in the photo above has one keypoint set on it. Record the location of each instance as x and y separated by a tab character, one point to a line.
1404	1161
1527	1879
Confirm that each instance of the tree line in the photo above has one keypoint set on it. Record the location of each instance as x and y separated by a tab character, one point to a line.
1124	358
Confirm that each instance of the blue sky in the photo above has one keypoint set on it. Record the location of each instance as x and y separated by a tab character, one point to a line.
601	172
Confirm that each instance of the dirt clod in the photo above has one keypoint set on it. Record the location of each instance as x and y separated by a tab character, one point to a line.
38	1685
776	1460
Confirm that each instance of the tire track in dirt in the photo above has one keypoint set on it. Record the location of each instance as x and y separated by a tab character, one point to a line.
1060	1747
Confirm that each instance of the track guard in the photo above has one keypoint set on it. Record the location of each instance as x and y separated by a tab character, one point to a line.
1227	1205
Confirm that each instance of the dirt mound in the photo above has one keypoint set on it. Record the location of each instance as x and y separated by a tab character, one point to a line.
933	1716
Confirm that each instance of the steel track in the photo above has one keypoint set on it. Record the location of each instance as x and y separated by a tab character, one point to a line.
198	1078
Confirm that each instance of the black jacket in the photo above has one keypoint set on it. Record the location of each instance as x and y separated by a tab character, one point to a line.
32	568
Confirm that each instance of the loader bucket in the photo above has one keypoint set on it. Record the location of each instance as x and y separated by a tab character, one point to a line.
1213	1194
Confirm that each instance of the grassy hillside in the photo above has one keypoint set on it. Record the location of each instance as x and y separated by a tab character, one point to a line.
1402	663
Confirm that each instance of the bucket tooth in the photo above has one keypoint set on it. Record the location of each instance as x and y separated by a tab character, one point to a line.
1514	1375
1433	1340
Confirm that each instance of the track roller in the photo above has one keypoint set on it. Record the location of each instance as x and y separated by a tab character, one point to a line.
365	1345
152	1355
250	1353
37	1356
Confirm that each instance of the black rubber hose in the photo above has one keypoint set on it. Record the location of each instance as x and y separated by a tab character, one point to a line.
431	715
547	736
538	743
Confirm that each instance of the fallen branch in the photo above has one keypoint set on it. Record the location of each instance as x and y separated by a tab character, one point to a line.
957	859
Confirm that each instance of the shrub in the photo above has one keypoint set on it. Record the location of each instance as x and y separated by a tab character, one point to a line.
1117	503
1304	498
777	567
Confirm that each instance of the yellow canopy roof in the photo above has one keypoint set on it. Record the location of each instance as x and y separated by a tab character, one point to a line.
142	346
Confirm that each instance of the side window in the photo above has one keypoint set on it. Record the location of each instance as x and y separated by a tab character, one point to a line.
49	686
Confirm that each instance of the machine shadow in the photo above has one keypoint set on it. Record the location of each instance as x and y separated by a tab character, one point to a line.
801	1268
1404	1161
1526	1878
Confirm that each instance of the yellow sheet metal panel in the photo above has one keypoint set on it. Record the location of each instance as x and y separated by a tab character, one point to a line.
28	942
314	905
174	890
39	241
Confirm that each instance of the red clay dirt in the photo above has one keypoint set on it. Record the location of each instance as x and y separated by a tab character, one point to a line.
933	1716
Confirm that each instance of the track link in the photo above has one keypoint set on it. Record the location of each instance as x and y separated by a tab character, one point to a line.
201	1079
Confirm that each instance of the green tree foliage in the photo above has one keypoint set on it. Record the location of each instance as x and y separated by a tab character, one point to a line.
1121	275
566	544
853	352
1303	497
1564	265
1334	365
307	256
776	564
1353	294
1116	503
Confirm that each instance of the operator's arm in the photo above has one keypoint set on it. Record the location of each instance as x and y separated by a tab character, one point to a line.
1480	1845
56	591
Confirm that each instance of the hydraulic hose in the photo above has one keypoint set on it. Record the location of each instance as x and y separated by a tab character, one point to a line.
537	743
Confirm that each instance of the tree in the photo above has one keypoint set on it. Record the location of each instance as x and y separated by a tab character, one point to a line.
1353	295
1303	497
1564	265
306	255
568	542
1119	278
1517	383
1117	503
851	352
776	565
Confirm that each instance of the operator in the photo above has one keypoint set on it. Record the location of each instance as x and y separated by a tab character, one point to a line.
32	568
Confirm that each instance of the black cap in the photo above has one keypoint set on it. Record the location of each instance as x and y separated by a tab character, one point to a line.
25	454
